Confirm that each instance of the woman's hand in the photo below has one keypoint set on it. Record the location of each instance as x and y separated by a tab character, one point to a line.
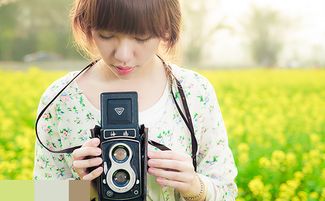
175	170
80	162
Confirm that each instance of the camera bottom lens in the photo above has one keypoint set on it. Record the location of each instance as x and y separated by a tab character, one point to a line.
121	178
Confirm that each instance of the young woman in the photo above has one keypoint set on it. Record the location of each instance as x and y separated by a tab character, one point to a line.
123	38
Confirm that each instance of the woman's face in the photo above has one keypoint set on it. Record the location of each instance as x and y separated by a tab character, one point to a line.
126	55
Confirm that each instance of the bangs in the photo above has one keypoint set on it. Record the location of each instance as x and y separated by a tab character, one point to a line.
135	17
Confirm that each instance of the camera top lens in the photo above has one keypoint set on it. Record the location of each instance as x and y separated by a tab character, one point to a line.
120	153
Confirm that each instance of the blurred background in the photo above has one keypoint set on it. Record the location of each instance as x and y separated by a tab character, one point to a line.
216	33
265	59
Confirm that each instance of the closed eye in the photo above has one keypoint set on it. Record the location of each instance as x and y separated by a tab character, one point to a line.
105	37
142	40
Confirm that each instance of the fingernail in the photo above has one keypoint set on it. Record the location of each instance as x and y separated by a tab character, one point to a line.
95	141
98	151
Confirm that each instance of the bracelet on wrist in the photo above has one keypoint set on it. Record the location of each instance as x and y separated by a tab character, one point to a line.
199	197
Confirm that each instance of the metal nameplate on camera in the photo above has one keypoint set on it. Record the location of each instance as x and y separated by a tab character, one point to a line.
125	132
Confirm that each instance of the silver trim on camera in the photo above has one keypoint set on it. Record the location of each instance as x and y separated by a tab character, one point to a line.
118	166
110	133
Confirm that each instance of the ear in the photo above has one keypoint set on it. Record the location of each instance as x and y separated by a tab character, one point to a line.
164	39
166	35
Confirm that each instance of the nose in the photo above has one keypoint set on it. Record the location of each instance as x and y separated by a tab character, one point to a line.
124	51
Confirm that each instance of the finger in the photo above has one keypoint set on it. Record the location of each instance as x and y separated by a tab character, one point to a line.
81	172
171	175
93	174
85	151
94	142
87	163
171	164
172	155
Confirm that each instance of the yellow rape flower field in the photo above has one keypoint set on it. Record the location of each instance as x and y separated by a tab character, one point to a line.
275	121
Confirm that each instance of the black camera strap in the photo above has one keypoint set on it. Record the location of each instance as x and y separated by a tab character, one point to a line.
71	149
187	119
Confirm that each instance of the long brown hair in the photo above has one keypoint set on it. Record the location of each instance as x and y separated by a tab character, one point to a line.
158	18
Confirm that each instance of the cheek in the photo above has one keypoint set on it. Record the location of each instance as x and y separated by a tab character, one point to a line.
104	49
148	50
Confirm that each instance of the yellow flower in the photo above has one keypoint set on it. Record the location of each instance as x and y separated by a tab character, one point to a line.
278	155
314	138
323	194
314	195
243	158
290	160
302	195
298	175
264	162
308	168
256	186
243	147
293	183
295	198
259	190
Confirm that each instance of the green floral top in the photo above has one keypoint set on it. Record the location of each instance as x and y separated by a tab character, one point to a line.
67	122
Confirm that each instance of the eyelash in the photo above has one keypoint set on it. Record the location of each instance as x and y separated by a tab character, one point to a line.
109	37
142	40
105	37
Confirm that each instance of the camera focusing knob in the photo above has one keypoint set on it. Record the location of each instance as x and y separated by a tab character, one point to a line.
109	193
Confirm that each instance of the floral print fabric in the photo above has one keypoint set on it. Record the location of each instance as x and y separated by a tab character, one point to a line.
67	122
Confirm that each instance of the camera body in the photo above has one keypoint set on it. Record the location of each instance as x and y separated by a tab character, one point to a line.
124	149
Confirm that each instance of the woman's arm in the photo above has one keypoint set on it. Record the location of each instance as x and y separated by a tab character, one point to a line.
216	166
49	165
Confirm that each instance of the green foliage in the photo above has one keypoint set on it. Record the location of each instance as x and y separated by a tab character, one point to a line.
198	34
7	29
264	31
35	25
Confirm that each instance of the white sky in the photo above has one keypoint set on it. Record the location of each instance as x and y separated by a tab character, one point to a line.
306	33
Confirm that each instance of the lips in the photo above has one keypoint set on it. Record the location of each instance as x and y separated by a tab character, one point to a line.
124	67
124	70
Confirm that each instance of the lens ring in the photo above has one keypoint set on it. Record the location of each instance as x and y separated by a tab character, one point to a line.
121	178
120	154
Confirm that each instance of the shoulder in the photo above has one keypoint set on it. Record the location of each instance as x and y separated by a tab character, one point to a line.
190	79
55	88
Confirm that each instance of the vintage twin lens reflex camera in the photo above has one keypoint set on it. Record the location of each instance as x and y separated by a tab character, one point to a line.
124	149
